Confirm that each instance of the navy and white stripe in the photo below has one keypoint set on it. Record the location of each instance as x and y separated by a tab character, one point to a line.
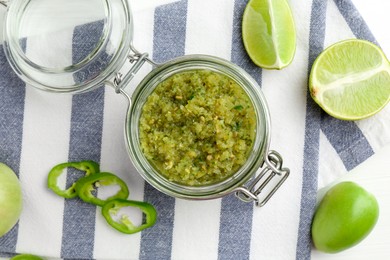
12	95
85	144
312	135
236	217
354	20
346	138
169	43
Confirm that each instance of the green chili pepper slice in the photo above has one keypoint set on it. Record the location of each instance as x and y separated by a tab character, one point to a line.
89	167
26	257
86	185
124	224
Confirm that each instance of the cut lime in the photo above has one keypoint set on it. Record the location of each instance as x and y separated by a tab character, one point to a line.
350	80
268	32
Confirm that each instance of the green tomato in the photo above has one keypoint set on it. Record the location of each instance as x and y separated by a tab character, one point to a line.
344	217
10	199
26	257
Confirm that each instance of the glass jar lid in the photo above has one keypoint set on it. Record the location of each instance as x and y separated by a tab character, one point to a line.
67	46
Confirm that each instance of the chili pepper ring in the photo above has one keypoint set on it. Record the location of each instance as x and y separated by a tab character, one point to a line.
125	225
89	167
86	185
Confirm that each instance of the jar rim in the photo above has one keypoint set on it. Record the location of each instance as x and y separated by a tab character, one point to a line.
259	148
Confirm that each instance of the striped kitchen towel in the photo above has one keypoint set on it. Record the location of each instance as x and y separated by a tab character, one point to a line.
39	130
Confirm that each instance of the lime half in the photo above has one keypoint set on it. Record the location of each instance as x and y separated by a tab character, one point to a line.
268	33
350	80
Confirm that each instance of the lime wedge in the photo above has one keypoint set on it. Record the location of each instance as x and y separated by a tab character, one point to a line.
350	80
268	33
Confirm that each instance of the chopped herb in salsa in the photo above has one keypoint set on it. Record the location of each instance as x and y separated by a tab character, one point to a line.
197	127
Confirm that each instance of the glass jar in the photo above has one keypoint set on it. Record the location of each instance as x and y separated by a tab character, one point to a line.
109	23
55	25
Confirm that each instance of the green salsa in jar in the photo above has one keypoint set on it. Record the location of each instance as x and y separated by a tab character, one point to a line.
197	127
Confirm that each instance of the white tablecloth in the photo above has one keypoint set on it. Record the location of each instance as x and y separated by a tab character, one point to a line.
39	130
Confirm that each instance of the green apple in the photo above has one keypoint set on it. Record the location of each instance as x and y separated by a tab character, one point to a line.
345	216
10	199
